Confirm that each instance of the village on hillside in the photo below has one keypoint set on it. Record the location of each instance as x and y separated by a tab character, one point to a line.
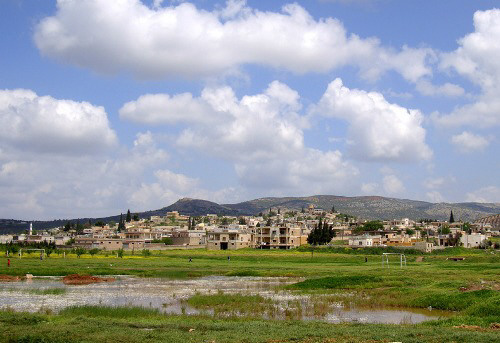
278	228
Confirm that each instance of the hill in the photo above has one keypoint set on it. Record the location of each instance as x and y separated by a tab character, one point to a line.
367	207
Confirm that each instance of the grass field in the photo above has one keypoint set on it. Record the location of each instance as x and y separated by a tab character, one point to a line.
469	287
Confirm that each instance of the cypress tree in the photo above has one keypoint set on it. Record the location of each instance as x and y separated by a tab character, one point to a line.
333	209
129	217
452	220
121	224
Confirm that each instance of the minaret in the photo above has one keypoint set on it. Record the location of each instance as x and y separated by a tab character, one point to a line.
31	229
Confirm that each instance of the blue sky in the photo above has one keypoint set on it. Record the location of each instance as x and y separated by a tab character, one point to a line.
106	106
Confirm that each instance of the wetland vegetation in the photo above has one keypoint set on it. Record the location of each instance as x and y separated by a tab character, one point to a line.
469	288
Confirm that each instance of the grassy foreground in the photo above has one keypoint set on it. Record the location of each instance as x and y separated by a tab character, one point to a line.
96	324
468	287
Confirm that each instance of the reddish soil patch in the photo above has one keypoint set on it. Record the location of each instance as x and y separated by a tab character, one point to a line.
77	279
9	278
477	287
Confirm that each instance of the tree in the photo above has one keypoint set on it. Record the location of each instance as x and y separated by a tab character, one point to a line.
410	232
269	222
129	216
258	225
120	252
79	252
100	223
93	251
333	209
444	230
112	224
302	210
452	220
242	221
67	227
136	217
373	225
121	224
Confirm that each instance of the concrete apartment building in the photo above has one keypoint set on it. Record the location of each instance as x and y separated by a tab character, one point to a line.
279	237
229	239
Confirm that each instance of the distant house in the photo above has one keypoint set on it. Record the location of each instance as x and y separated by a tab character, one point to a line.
473	240
364	241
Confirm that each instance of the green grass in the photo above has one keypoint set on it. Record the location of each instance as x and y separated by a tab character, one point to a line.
333	282
434	282
48	291
115	325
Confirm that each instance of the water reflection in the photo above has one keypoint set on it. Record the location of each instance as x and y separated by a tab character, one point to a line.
169	296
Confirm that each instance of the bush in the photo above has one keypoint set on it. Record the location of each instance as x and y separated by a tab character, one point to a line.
146	252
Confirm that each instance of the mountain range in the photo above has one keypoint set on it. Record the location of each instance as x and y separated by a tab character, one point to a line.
366	207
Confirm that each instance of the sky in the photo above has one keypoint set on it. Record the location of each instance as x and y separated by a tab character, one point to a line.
113	105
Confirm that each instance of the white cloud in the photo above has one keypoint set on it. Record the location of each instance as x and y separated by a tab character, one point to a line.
432	183
44	124
262	135
489	194
469	142
435	196
448	89
126	35
393	185
378	130
476	58
369	188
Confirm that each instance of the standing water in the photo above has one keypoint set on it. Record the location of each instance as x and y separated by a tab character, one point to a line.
170	297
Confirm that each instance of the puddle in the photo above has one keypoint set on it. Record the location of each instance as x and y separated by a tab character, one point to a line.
169	296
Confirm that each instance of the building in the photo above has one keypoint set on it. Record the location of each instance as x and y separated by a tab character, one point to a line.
473	240
229	239
279	237
364	241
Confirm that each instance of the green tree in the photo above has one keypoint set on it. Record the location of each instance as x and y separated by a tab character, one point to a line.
242	221
136	217
67	226
444	230
129	216
120	253
121	224
373	225
452	220
146	252
80	251
333	209
112	224
93	251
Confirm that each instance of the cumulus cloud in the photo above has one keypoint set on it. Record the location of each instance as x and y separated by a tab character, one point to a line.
164	41
48	125
469	142
262	135
490	194
425	87
392	184
476	58
378	130
369	188
435	196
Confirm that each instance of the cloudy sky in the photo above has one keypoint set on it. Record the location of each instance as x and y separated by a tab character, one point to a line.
110	105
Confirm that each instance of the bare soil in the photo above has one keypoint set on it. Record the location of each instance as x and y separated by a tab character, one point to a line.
78	279
9	278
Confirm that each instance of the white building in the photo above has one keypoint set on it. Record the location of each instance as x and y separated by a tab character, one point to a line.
473	240
363	241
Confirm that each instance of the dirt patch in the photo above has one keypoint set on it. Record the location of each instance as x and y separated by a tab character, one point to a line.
9	278
495	286
77	279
